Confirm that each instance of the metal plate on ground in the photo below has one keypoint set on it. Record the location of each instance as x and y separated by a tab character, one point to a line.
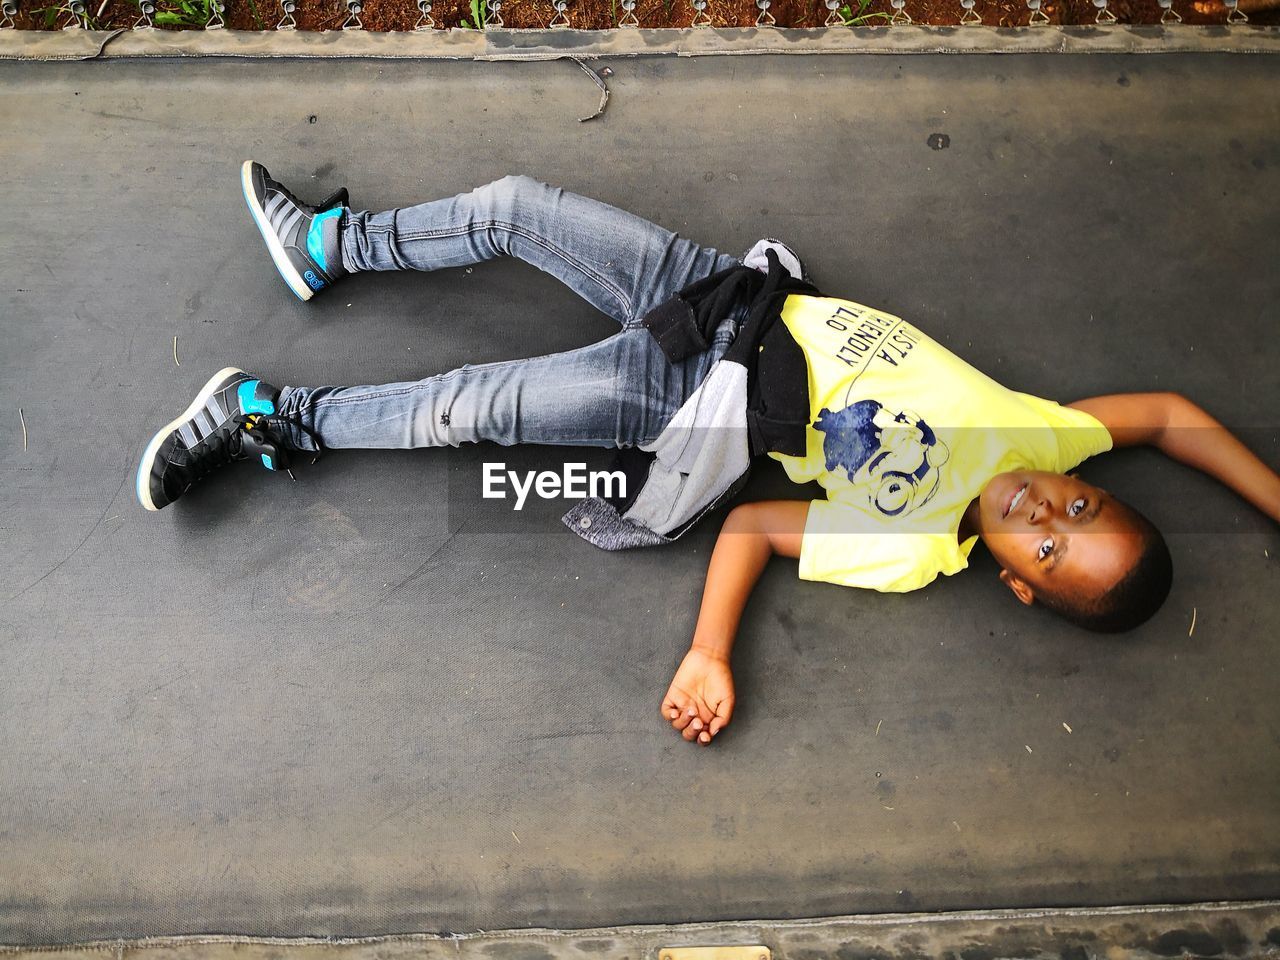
715	953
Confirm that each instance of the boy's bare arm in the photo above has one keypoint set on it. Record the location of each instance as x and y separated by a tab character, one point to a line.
752	533
700	700
1180	429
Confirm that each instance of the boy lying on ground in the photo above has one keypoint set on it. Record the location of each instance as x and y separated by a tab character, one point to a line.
719	359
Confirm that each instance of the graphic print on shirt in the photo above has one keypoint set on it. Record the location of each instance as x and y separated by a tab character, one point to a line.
892	457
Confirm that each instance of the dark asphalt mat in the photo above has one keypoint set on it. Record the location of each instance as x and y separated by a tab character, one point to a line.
358	704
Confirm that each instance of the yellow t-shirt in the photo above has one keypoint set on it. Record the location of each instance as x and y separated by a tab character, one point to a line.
903	435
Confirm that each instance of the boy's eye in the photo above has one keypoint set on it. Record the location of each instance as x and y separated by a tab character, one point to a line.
1077	507
1046	548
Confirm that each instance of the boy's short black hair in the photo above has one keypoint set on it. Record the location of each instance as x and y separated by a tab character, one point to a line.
1131	600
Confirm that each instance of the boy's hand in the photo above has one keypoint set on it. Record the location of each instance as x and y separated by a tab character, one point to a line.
699	702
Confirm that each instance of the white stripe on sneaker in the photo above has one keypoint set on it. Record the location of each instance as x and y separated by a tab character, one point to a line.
188	435
288	224
215	408
282	213
273	205
203	424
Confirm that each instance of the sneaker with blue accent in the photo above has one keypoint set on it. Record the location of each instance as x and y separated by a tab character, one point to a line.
302	239
231	418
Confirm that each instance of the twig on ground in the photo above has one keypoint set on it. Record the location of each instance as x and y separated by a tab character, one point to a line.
1193	622
878	727
604	90
23	418
175	351
103	45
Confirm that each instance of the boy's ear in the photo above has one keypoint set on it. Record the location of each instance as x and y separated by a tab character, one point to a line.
1020	588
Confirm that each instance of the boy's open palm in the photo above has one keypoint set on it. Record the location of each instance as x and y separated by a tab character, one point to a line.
699	702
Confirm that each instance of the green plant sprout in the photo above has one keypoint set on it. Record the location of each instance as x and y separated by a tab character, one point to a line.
479	16
861	18
183	13
52	15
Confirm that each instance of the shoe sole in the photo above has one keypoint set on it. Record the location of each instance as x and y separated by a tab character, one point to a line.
143	482
288	272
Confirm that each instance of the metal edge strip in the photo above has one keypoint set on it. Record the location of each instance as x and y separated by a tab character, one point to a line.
1262	914
492	45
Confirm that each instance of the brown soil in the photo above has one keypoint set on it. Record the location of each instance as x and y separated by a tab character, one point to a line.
603	14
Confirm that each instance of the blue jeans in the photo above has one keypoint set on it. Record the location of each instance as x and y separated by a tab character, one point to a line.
618	392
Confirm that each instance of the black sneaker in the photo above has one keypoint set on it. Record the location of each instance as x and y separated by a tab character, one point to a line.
302	239
228	420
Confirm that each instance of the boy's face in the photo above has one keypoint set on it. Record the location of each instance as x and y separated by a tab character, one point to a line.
1056	533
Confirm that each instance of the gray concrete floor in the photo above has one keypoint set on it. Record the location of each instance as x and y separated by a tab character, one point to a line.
352	706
